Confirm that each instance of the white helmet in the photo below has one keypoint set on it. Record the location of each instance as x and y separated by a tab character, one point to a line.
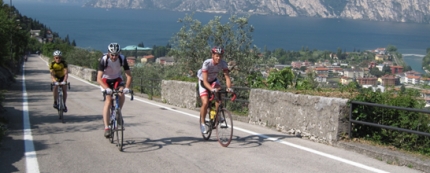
114	48
57	53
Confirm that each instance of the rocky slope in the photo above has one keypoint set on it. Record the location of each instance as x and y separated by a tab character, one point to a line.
376	10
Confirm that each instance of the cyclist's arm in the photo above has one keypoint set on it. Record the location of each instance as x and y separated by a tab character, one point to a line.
100	81
205	81
52	75
227	78
66	74
128	75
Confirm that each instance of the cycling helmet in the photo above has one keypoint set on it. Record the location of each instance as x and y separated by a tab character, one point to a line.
217	50
114	48
57	53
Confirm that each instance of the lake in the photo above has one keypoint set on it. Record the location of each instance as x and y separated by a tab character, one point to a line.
96	28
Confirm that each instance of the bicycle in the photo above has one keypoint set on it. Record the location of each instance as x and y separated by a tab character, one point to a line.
60	100
219	119
116	122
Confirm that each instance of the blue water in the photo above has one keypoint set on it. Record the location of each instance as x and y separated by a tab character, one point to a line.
96	28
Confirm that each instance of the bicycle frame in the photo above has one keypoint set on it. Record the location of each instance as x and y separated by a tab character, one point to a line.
60	99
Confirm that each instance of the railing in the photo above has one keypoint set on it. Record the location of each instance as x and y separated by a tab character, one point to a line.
150	87
381	125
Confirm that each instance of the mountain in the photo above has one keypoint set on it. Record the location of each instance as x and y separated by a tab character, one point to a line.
417	11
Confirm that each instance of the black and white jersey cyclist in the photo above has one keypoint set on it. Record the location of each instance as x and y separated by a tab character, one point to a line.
109	76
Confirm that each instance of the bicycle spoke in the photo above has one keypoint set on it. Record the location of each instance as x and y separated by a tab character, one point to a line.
224	129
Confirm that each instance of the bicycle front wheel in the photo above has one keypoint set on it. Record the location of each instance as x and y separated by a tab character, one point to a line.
224	128
60	108
119	130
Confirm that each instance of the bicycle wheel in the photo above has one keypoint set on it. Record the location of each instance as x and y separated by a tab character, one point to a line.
208	124
119	130
224	129
60	107
112	126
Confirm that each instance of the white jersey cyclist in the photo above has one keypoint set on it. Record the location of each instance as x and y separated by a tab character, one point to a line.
212	70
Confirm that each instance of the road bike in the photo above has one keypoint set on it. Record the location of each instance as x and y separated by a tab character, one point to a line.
60	100
116	122
219	119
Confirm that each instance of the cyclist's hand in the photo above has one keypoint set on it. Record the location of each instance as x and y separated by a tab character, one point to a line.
125	90
108	91
230	90
214	90
56	83
63	83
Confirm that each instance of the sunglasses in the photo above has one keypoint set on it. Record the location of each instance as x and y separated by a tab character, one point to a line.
114	54
57	57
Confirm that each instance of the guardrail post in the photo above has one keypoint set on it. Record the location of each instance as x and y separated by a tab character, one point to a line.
141	86
350	117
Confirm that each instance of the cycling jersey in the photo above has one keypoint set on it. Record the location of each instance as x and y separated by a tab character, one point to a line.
58	68
211	69
112	70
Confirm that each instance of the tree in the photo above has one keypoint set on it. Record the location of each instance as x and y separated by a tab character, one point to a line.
192	44
391	48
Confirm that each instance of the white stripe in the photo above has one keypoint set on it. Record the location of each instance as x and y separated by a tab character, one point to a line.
32	165
359	165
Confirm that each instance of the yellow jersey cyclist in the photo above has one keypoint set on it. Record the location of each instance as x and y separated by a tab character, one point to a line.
208	81
59	73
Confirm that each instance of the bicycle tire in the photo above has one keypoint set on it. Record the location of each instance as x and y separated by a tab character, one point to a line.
208	125
224	129
112	126
60	107
119	130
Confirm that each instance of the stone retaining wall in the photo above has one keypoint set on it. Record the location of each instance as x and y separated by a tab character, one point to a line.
321	119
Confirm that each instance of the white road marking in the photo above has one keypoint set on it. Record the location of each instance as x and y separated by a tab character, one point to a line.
32	165
359	165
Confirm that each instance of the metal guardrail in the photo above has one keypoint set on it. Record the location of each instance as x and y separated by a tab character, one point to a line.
384	126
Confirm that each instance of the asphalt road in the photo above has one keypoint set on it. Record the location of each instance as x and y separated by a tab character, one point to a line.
160	138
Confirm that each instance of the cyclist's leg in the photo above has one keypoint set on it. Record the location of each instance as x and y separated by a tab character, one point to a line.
64	93
55	94
217	85
204	97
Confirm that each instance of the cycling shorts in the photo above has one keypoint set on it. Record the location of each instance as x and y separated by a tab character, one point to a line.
204	91
59	79
113	83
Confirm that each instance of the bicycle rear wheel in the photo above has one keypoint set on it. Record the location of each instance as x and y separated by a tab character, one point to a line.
60	107
119	130
224	129
208	124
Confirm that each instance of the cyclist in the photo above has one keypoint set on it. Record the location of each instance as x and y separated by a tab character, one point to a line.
59	73
109	75
208	80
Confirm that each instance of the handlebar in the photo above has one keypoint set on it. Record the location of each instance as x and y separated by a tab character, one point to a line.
233	95
59	84
118	91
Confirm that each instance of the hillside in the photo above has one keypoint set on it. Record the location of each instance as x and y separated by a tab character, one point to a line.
417	11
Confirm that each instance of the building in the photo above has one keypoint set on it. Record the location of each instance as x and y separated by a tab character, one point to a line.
389	80
368	80
396	69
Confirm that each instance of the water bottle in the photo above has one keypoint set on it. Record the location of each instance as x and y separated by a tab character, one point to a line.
212	114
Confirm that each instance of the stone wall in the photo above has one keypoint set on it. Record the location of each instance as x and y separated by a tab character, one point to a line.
84	73
320	119
178	93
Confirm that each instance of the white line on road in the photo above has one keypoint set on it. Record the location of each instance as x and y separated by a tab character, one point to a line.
32	165
262	136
